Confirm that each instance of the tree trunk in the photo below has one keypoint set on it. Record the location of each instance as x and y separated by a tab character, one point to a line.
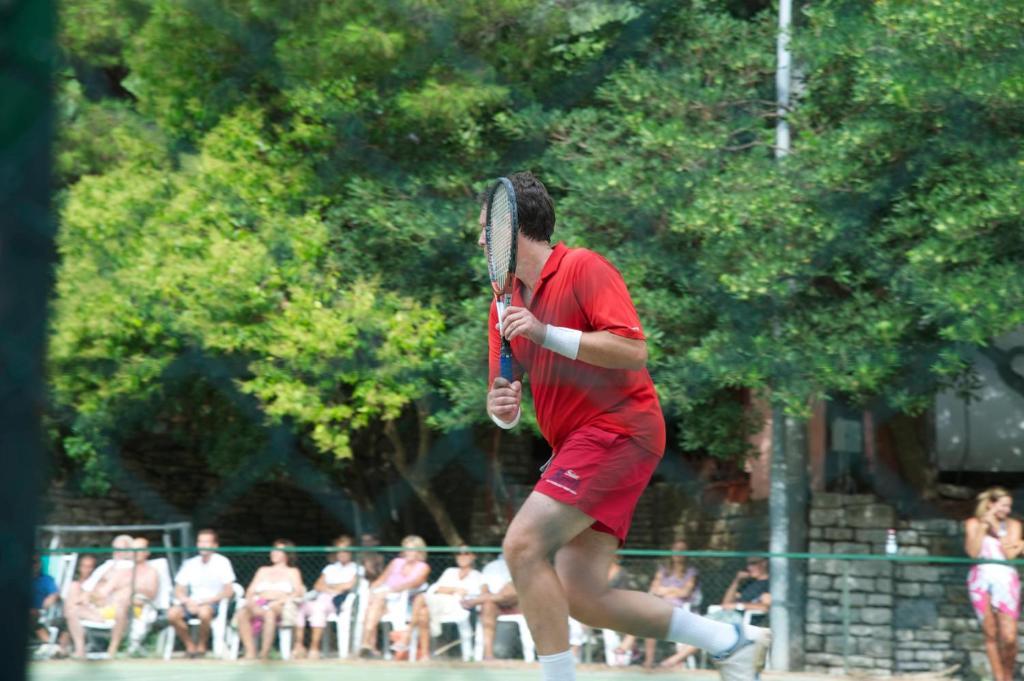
411	472
913	455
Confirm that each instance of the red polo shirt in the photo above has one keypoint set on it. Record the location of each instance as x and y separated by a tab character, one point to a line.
579	289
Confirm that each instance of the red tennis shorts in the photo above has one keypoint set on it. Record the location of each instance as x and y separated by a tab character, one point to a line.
602	474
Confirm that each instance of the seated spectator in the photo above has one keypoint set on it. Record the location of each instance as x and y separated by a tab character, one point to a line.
497	597
119	560
679	584
408	572
372	562
85	566
334	584
100	593
749	590
45	595
201	588
143	585
444	600
272	588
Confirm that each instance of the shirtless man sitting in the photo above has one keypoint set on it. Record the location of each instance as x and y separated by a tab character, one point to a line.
108	594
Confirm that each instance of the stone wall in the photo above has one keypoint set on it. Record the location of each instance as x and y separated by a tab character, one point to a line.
902	617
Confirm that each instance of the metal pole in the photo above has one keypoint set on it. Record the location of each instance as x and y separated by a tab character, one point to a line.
783	78
789	487
778	510
846	616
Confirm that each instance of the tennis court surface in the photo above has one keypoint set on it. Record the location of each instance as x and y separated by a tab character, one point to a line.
150	670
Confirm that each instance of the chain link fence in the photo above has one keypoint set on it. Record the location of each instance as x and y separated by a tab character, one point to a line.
865	613
714	574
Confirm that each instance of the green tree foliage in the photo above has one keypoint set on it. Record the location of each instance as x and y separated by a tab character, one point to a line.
863	264
288	190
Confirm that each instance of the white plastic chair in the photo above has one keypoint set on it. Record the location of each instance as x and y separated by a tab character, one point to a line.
343	624
525	638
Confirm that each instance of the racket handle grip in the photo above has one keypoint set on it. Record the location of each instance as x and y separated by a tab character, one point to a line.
506	366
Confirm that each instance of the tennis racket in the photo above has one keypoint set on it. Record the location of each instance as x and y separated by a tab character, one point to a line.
500	232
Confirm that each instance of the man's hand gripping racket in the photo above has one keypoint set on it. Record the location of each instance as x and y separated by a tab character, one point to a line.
501	231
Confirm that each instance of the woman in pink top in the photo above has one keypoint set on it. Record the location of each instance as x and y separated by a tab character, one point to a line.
408	572
994	588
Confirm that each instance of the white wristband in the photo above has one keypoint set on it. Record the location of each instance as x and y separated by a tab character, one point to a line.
505	424
565	342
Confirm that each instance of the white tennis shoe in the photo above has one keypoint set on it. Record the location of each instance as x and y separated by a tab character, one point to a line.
746	659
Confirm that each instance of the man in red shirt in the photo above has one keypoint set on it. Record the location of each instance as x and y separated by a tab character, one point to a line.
573	329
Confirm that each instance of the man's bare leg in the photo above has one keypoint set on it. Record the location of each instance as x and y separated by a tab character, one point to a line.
74	613
579	587
540	528
205	615
582	565
74	616
121	608
176	618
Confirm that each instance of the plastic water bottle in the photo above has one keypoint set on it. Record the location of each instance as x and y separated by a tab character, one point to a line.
891	547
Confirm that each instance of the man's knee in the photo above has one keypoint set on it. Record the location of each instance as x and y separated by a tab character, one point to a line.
522	548
205	613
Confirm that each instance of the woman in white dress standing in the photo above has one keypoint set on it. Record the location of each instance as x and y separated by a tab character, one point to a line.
994	588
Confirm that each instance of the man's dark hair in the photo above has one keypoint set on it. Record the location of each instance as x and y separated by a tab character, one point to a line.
536	210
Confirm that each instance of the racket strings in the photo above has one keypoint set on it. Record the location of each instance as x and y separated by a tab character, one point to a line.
499	247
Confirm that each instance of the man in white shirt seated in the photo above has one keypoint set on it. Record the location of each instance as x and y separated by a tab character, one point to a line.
497	597
203	583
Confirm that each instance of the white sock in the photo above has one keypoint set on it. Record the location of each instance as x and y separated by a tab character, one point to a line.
558	667
701	632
